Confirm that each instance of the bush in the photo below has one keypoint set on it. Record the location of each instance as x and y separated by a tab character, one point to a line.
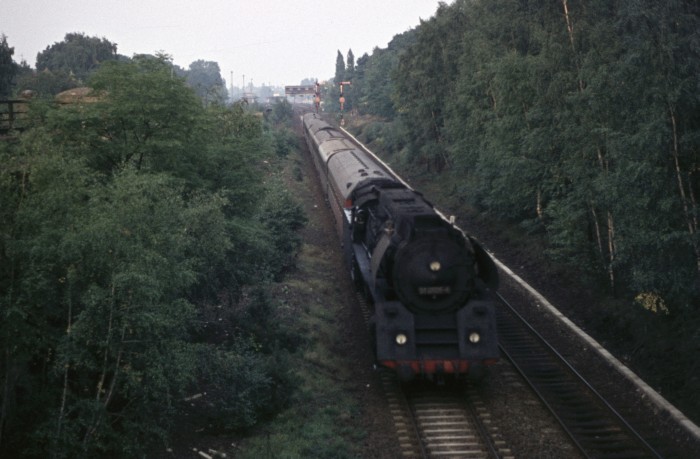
285	141
283	218
239	388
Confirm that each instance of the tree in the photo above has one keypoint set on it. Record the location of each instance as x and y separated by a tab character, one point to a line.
77	54
45	84
661	61
577	122
205	78
282	113
127	320
332	89
103	306
359	81
373	81
350	67
34	188
8	68
348	90
552	114
425	80
144	118
339	68
377	86
127	224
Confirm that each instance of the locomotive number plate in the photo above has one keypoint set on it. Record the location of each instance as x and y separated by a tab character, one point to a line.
437	290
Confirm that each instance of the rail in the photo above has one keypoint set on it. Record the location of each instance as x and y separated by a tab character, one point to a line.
594	426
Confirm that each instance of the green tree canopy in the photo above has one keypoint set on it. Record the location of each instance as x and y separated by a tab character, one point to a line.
77	54
143	118
131	222
8	67
205	78
547	111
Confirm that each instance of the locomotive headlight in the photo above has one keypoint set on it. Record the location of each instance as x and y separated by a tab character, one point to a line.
435	266
474	337
401	339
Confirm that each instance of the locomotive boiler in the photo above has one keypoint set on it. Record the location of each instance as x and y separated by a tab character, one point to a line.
429	284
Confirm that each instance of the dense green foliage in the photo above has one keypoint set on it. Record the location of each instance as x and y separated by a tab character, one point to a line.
205	78
71	62
8	67
137	233
579	122
77	53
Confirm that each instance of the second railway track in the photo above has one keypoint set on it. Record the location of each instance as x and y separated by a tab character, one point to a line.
594	426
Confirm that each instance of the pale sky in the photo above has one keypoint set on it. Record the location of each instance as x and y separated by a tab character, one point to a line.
274	42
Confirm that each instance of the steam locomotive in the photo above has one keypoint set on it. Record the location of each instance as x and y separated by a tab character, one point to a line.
429	283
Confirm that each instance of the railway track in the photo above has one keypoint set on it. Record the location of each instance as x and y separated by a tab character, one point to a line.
448	422
593	425
439	422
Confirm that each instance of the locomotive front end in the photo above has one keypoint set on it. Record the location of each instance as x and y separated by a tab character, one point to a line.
433	272
433	312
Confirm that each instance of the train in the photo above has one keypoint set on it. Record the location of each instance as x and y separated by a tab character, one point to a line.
429	284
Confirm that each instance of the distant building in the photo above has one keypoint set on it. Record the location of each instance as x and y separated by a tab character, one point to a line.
249	97
275	98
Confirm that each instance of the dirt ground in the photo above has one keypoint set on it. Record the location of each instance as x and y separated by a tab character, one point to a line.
320	234
320	239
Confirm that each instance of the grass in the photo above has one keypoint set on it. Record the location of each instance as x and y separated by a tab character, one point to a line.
323	419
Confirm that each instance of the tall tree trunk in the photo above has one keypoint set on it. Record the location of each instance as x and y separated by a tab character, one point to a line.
690	209
570	31
598	235
95	422
611	251
5	394
609	258
64	393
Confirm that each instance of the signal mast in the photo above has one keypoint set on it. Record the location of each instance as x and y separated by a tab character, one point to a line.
342	100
